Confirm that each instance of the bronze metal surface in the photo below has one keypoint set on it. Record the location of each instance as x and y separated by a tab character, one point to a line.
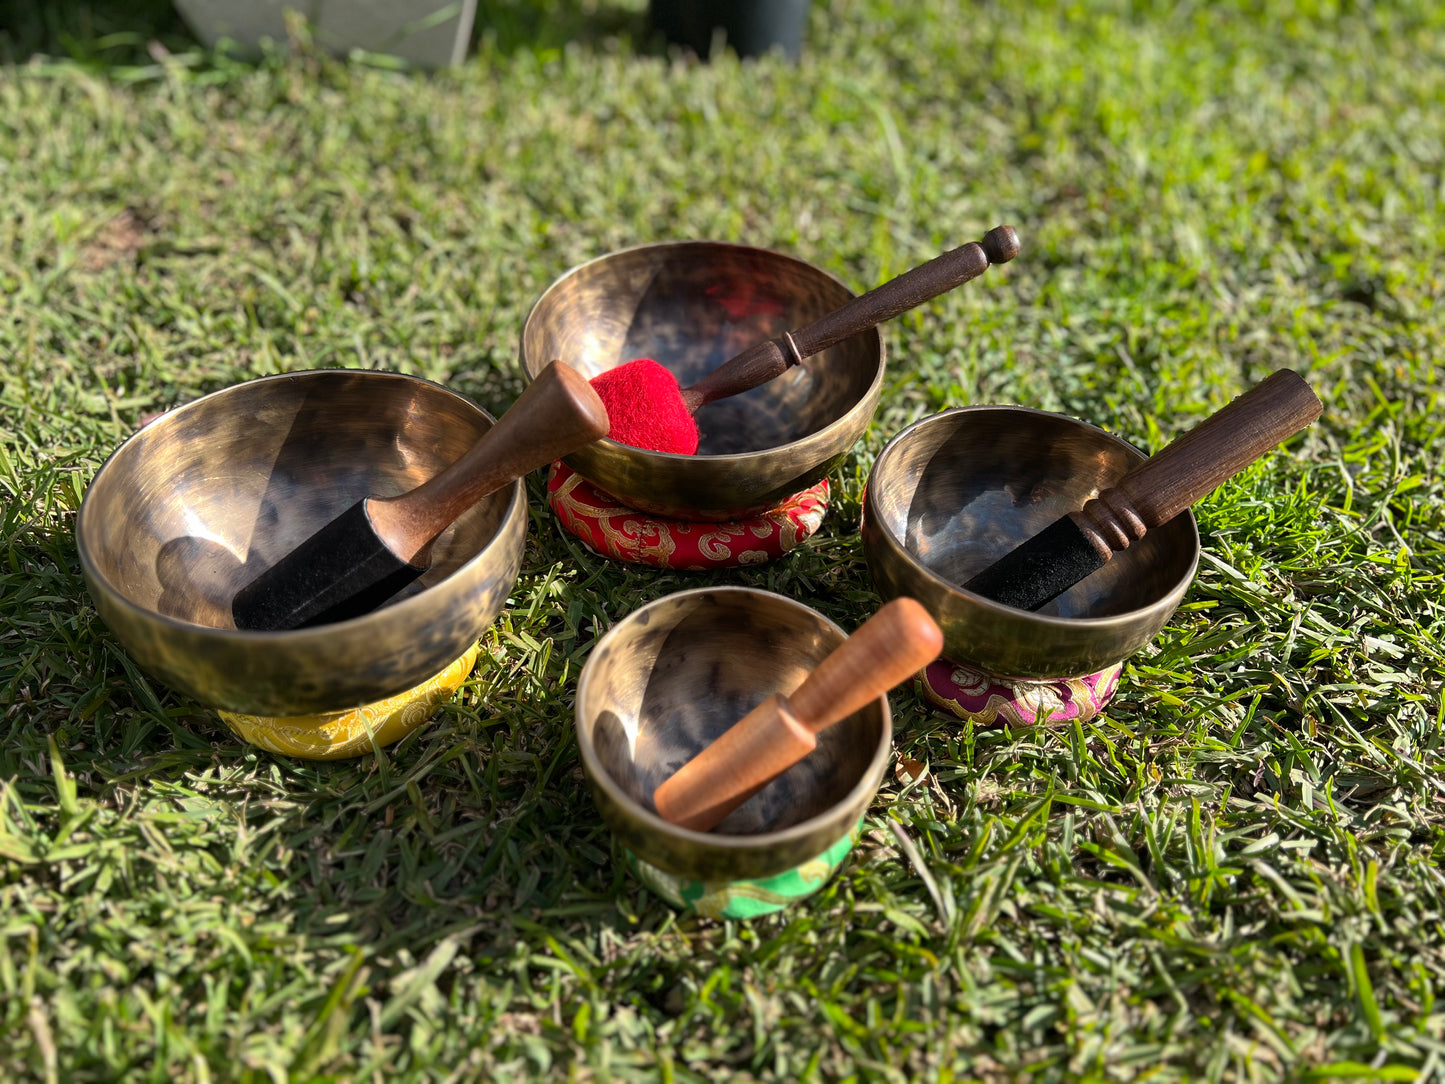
690	306
669	678
200	501
955	491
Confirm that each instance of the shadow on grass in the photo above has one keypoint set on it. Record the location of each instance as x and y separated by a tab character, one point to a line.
102	35
512	26
469	831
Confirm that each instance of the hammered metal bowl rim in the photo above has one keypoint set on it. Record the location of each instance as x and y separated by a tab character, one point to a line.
838	423
988	604
92	573
871	776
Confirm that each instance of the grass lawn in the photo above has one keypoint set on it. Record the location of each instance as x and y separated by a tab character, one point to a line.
1235	872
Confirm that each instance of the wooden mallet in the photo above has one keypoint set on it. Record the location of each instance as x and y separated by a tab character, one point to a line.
381	544
767	360
893	644
1151	494
627	388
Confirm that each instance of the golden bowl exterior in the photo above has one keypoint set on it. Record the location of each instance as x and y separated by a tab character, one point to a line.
668	679
955	491
197	503
691	305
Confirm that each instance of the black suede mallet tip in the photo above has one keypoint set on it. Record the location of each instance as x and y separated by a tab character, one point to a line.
342	571
1039	570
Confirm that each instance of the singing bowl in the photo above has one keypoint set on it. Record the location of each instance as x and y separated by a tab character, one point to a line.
665	681
203	499
691	305
954	492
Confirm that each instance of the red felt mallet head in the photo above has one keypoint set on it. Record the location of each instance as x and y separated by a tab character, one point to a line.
648	410
645	408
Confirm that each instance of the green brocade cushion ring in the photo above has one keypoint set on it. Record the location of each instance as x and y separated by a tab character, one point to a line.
746	899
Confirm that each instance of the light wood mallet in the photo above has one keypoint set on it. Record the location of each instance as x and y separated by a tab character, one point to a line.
381	544
893	644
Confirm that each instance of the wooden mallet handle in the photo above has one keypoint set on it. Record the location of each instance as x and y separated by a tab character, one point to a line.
1212	452
893	644
761	363
556	414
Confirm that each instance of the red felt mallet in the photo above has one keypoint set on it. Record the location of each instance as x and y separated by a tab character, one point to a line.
648	410
645	408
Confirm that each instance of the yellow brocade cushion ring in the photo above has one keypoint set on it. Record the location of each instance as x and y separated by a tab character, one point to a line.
356	731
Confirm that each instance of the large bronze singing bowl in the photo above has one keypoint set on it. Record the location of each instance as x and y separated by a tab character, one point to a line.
691	305
196	504
955	491
668	679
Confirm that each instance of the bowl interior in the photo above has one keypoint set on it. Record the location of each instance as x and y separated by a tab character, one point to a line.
691	306
963	488
668	680
203	499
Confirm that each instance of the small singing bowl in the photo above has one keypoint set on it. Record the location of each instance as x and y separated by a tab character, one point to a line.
954	492
202	500
691	305
665	682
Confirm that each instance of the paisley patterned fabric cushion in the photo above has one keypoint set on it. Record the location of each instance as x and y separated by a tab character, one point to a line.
989	700
614	530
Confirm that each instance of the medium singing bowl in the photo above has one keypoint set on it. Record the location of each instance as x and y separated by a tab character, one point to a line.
691	305
955	491
199	502
668	679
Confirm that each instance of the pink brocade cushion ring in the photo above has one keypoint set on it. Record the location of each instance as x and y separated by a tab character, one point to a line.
989	700
612	529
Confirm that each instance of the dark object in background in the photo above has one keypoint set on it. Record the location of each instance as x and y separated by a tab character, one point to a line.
748	27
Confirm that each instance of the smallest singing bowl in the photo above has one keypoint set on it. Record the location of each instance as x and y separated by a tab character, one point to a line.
690	306
199	502
955	491
667	680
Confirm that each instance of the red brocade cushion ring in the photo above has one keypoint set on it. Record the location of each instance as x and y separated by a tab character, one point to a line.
612	529
646	409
